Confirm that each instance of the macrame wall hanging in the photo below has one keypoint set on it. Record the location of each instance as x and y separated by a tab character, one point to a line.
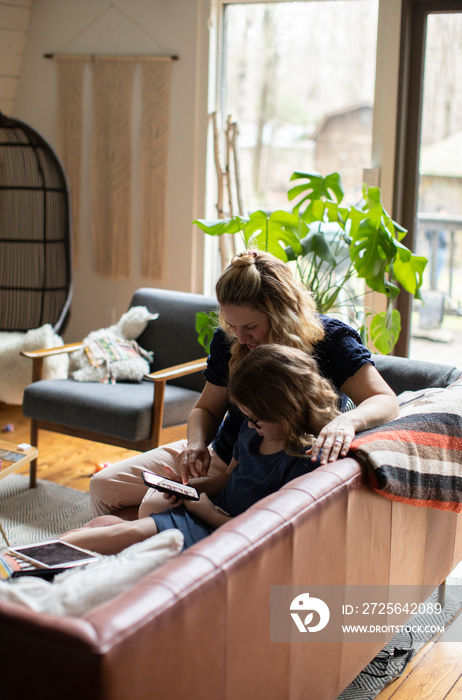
155	88
111	170
112	198
69	134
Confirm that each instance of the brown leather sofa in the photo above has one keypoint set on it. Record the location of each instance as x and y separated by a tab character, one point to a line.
199	627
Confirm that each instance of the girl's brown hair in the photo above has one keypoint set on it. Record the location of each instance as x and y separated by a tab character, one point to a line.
283	385
262	281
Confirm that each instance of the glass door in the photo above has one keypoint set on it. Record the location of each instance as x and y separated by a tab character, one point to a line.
436	325
429	176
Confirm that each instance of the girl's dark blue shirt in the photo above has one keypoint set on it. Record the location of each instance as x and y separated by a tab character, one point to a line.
257	475
339	355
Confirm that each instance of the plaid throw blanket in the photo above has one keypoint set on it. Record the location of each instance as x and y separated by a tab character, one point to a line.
417	457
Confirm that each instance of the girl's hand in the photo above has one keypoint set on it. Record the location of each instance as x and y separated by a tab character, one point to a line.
193	461
173	500
334	440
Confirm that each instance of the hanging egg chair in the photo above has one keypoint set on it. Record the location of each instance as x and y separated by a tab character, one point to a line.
35	231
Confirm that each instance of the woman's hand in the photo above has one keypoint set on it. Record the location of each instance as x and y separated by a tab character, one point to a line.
334	440
376	403
193	461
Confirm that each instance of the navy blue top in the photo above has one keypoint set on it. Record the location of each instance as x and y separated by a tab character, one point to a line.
339	355
257	475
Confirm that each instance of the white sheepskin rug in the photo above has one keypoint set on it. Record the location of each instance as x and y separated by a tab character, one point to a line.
16	370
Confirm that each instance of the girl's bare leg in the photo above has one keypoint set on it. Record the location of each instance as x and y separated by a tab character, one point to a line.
111	539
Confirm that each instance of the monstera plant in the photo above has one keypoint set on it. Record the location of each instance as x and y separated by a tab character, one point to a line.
331	248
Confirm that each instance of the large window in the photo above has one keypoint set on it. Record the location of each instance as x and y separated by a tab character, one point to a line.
299	79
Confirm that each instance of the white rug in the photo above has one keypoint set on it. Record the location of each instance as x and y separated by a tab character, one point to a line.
31	515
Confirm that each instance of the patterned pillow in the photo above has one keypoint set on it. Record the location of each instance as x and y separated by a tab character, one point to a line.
112	354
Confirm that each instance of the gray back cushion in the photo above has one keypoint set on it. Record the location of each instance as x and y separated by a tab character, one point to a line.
173	336
403	374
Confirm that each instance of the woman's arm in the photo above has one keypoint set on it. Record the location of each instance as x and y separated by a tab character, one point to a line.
203	423
376	403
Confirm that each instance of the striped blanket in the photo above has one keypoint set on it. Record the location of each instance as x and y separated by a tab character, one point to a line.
417	457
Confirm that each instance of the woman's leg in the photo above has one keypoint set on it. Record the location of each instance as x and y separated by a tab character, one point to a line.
112	539
120	485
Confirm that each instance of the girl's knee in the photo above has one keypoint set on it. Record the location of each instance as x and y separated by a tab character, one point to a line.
153	502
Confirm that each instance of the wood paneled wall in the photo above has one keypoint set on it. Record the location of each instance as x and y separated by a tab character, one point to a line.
14	22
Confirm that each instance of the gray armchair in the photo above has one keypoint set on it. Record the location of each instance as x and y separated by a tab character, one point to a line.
129	415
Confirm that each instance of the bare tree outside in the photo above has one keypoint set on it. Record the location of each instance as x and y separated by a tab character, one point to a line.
293	72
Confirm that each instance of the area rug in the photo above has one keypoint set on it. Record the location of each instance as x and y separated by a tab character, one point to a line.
31	515
379	674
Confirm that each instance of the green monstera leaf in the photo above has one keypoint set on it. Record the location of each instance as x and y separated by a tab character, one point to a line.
385	329
217	228
273	232
317	192
330	246
409	272
206	324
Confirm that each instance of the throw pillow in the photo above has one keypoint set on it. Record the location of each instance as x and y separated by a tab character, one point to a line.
112	354
78	590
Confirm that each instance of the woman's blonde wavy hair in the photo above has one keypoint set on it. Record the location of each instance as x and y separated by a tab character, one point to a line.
265	283
283	385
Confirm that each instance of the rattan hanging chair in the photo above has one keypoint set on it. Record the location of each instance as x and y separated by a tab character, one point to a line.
35	231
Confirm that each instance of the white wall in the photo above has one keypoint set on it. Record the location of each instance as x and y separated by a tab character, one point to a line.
131	27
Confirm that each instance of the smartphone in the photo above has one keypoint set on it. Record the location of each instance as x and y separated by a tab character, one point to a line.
54	553
169	486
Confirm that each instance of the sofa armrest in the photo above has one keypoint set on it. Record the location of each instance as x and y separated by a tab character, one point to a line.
160	379
37	357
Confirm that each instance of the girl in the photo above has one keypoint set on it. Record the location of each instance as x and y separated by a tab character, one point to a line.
286	403
260	302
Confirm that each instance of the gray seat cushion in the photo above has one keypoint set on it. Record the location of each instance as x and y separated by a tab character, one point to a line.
122	410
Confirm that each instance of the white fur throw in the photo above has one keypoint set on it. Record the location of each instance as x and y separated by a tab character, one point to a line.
80	589
16	371
111	354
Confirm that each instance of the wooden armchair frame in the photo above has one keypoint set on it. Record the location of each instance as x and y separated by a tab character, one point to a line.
159	378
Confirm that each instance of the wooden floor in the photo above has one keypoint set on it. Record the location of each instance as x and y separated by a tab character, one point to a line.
66	460
435	673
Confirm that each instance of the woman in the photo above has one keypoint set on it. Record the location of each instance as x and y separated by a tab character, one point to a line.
281	421
260	302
